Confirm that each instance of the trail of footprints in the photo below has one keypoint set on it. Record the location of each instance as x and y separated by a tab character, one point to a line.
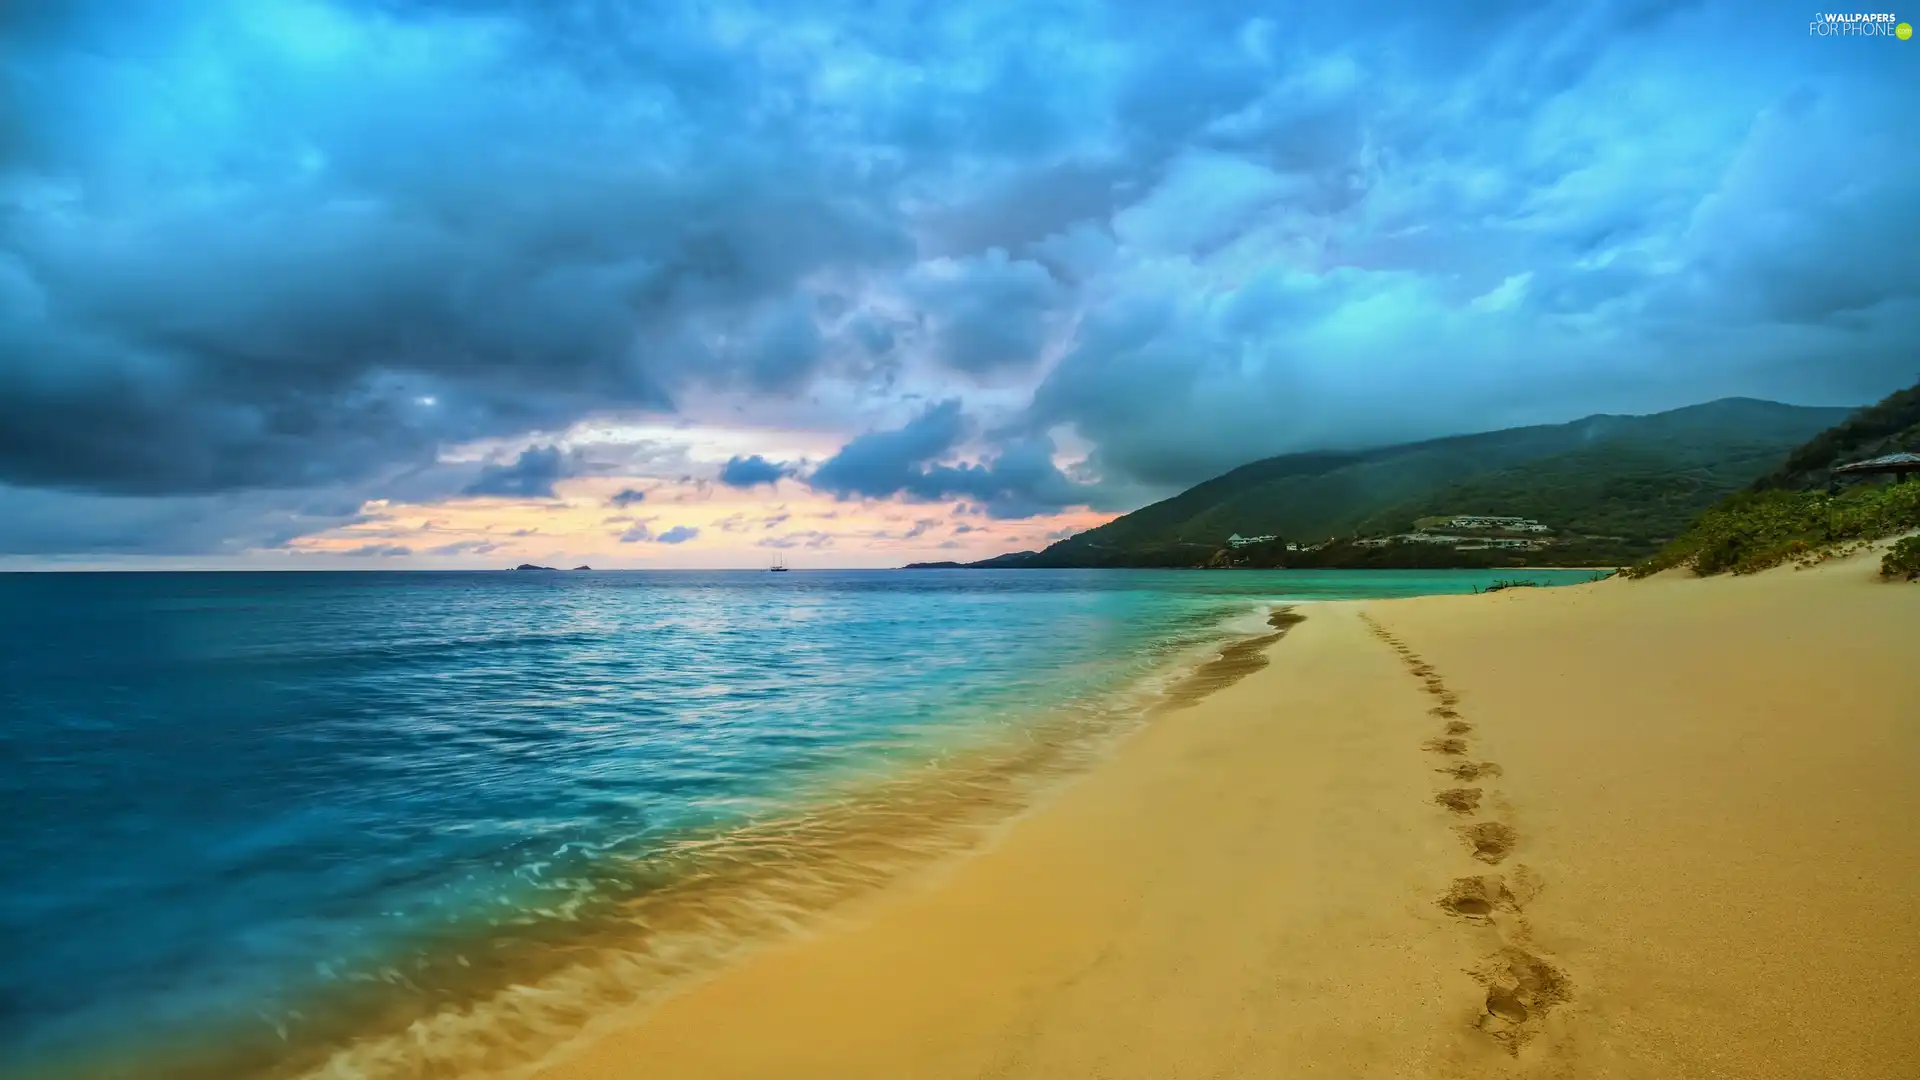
1522	986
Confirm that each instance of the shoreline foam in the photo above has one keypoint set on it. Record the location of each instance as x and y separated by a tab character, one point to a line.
696	906
762	883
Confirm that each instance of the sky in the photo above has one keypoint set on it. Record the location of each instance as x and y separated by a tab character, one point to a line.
332	284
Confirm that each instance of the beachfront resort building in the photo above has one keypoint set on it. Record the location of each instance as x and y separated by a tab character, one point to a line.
1508	542
1497	523
1238	541
1412	538
1458	543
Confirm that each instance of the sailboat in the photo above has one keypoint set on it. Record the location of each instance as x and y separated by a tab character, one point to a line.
779	565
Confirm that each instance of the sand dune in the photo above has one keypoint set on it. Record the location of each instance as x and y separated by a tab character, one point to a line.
1634	829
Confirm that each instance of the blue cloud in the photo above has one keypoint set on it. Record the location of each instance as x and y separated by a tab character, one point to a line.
1021	480
988	312
747	472
529	476
626	497
880	463
1190	237
642	533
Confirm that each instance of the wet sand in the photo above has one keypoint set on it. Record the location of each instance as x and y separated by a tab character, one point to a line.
1630	829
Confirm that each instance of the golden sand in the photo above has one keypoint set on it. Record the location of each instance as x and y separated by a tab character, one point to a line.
1632	829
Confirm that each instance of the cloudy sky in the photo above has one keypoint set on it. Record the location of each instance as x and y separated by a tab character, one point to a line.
441	283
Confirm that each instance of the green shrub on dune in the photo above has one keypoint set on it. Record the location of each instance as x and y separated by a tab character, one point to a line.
1756	530
1903	561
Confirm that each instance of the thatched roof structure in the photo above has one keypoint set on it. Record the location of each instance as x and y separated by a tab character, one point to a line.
1890	463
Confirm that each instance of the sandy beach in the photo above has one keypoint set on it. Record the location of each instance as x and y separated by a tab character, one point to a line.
1667	828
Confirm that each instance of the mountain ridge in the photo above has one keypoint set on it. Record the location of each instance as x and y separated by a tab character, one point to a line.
1806	510
1629	482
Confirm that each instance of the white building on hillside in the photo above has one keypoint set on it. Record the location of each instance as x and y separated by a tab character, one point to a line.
1491	521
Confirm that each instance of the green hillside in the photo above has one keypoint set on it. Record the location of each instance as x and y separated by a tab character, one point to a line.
1891	426
1801	510
1640	479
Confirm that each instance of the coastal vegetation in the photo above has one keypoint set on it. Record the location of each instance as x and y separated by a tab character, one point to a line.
1801	511
1887	427
1902	561
1756	530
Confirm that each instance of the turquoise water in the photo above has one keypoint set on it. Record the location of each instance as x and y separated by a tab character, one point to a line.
258	824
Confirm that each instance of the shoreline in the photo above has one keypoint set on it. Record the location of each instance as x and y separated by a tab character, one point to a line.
706	899
1687	861
486	989
711	902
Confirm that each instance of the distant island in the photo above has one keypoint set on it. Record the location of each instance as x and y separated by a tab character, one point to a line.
553	569
1011	559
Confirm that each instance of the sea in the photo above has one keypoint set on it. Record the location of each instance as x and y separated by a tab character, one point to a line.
373	825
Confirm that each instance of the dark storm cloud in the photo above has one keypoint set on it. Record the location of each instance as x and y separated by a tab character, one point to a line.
752	471
49	523
989	312
429	225
1020	480
529	476
1550	236
880	463
260	260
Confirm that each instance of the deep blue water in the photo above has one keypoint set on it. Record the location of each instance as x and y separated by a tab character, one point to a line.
229	799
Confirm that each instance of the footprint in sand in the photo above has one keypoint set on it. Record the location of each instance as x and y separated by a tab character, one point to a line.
1458	727
1521	989
1490	840
1479	897
1447	746
1467	770
1464	800
1444	713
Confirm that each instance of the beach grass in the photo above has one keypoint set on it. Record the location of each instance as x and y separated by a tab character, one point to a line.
1753	531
